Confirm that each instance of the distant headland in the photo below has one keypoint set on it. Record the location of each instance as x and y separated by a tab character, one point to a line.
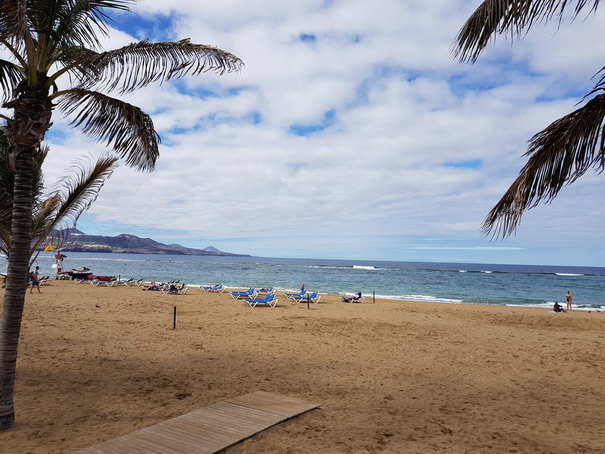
73	240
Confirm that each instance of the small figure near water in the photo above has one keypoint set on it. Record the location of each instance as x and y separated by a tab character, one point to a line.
568	298
558	308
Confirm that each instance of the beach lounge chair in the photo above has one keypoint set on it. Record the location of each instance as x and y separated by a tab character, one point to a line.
83	281
213	288
357	298
107	281
312	298
291	296
250	293
269	300
174	290
126	282
44	280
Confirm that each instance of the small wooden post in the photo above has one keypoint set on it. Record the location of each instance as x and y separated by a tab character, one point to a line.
374	297
174	319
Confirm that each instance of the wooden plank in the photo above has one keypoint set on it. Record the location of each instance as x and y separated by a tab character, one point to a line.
216	428
268	402
209	429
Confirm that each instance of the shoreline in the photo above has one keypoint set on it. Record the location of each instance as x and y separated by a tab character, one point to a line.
99	362
545	305
506	284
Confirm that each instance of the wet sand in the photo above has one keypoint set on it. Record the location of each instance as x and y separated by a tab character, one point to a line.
392	377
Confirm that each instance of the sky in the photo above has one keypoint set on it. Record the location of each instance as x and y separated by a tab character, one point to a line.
350	133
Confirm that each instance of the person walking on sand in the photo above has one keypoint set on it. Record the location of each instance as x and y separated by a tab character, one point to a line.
568	298
35	280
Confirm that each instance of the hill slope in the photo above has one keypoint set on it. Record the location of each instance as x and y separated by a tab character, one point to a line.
76	241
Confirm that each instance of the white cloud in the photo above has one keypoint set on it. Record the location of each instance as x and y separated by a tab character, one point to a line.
397	110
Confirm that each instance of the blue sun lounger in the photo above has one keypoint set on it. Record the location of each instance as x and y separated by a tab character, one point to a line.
247	294
269	300
295	295
312	298
213	288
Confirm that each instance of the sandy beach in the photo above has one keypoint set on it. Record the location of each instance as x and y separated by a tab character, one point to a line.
393	377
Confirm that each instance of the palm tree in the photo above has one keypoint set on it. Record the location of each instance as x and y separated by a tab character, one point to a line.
60	209
55	60
567	148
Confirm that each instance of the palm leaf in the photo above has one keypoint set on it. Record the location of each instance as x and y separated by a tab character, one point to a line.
508	17
121	125
78	189
42	219
79	22
10	76
558	156
13	21
140	64
81	186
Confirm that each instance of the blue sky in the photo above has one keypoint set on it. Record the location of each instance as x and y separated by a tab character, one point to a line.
351	133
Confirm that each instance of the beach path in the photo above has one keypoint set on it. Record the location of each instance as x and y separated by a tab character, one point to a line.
209	429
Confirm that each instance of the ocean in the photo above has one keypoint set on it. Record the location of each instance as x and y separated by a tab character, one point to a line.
513	285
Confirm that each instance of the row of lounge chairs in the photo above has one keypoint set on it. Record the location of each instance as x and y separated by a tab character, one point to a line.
109	281
115	282
252	296
303	296
266	296
171	288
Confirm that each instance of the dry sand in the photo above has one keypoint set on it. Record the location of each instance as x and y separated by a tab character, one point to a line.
394	377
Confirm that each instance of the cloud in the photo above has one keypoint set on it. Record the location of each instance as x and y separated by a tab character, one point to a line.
351	132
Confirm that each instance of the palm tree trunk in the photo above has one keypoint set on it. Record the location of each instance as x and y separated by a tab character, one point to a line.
16	285
32	113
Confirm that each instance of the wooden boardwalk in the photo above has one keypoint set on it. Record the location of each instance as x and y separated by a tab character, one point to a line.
209	429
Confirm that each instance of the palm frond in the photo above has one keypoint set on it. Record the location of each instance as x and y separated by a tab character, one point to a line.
79	22
558	156
600	86
139	64
508	17
13	20
124	127
43	218
10	76
78	189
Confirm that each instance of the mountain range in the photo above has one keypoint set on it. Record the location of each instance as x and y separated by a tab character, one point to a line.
73	240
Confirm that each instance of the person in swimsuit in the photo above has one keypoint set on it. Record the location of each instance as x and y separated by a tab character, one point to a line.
568	298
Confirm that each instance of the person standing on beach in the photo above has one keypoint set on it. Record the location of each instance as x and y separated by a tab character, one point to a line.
35	278
568	298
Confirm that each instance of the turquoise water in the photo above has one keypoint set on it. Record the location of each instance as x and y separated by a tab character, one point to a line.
436	282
